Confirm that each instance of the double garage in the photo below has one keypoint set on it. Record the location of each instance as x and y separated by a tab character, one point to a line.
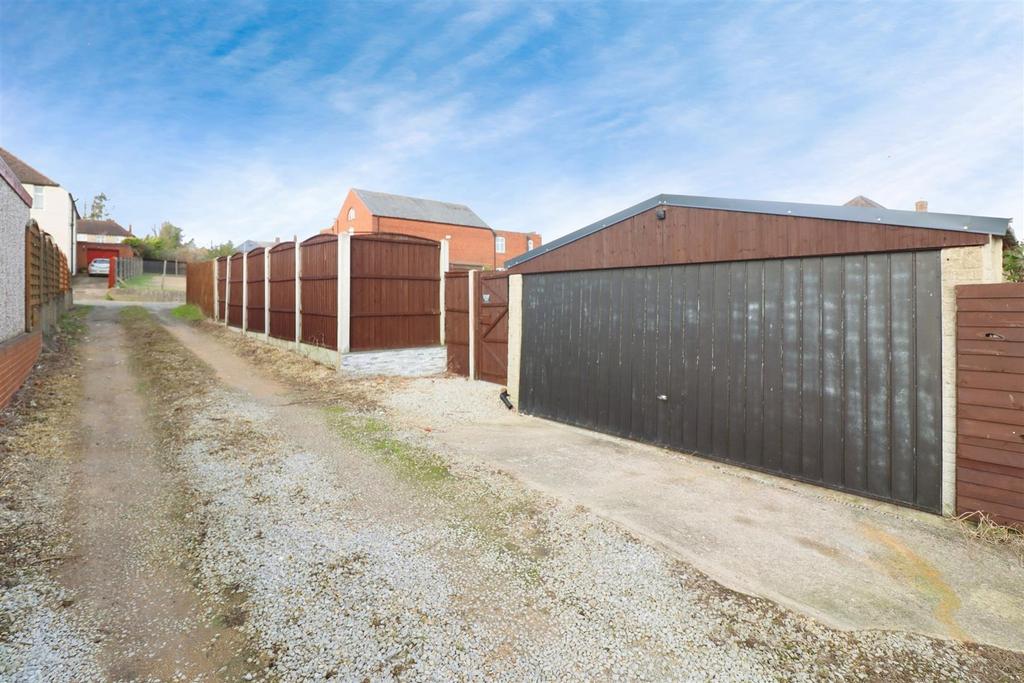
801	340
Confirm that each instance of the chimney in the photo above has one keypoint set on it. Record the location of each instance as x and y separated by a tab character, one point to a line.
920	205
129	228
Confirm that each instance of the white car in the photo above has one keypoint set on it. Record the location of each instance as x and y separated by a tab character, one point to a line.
99	266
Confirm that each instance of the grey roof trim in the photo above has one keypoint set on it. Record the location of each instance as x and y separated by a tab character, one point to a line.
856	214
416	209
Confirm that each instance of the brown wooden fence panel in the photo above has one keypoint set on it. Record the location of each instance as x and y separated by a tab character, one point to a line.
990	401
47	278
222	269
282	291
254	283
395	300
33	276
319	279
456	321
491	341
199	286
235	304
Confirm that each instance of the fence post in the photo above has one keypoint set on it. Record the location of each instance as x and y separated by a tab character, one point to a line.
163	276
344	294
227	289
515	336
245	292
298	292
266	294
444	269
216	294
472	282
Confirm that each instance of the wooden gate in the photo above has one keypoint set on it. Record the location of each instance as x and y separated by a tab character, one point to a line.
222	269
282	291
491	293
395	296
235	305
319	280
456	321
990	401
254	284
199	286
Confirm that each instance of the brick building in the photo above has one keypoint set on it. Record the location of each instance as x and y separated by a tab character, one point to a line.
472	243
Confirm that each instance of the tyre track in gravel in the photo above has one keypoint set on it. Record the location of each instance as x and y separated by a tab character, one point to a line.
129	515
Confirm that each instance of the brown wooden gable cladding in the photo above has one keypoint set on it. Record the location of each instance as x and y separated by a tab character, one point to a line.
691	235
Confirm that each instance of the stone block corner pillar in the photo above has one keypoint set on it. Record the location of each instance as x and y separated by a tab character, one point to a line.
444	261
344	294
515	336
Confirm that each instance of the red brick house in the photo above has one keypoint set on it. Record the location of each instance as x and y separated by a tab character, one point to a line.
472	243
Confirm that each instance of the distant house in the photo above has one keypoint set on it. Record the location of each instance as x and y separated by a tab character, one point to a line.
53	207
472	243
101	239
105	231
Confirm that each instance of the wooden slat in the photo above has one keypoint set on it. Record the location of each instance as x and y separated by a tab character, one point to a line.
1011	334
1017	448
1009	483
992	347
991	397
992	291
979	466
990	319
989	380
1002	514
1010	305
1013	417
990	363
990	430
991	494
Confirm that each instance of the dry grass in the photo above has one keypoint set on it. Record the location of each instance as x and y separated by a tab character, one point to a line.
980	527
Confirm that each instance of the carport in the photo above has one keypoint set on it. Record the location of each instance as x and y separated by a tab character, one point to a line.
809	341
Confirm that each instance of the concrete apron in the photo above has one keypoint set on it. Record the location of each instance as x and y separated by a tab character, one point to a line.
847	561
414	362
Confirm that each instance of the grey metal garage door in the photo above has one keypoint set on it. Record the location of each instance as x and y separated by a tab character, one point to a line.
822	369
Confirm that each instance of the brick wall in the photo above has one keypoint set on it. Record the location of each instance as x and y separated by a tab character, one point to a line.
17	356
516	243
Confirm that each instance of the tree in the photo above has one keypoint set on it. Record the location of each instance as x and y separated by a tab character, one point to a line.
226	249
1013	258
98	211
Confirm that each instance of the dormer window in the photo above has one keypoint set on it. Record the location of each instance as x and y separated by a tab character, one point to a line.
499	245
352	213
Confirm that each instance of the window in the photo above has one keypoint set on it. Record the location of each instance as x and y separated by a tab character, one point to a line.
529	245
499	245
352	213
37	196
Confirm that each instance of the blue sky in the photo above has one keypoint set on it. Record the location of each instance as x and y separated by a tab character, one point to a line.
252	119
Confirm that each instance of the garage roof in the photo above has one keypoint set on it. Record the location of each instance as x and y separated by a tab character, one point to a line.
856	214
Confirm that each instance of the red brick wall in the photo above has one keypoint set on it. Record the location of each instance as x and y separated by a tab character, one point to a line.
516	243
17	356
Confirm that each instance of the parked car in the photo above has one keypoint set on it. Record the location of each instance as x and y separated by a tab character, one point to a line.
99	266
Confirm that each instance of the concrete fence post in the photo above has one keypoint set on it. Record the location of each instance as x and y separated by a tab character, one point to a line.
298	292
216	294
266	294
344	294
471	298
227	289
245	293
444	269
515	336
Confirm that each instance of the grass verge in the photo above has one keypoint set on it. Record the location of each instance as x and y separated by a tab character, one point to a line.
188	312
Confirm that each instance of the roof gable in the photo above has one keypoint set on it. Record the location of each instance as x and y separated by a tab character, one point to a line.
88	226
25	173
416	209
854	214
